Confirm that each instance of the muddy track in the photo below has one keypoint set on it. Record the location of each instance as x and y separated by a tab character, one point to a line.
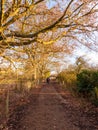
47	110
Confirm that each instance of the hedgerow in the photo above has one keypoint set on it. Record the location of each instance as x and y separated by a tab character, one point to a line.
87	83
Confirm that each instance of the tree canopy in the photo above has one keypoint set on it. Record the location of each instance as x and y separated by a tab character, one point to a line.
30	26
23	22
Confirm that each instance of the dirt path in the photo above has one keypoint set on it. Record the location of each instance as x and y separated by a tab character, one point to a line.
46	113
47	110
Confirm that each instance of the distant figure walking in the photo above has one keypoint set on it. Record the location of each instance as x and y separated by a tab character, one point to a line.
48	80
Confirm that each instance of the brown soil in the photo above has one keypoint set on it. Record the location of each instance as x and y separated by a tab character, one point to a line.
53	109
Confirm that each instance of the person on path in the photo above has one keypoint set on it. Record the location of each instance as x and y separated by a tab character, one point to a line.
48	80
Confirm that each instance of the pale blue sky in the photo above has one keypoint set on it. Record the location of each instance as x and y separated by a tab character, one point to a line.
51	3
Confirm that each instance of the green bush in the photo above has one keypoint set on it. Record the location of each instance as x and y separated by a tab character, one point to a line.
87	81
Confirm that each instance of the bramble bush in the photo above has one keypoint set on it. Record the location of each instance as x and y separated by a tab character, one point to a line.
87	83
84	83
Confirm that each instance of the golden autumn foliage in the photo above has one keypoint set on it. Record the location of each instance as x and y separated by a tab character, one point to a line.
32	32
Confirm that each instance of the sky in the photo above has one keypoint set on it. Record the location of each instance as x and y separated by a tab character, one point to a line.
51	3
87	54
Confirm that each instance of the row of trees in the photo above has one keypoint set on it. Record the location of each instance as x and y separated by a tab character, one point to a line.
32	33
